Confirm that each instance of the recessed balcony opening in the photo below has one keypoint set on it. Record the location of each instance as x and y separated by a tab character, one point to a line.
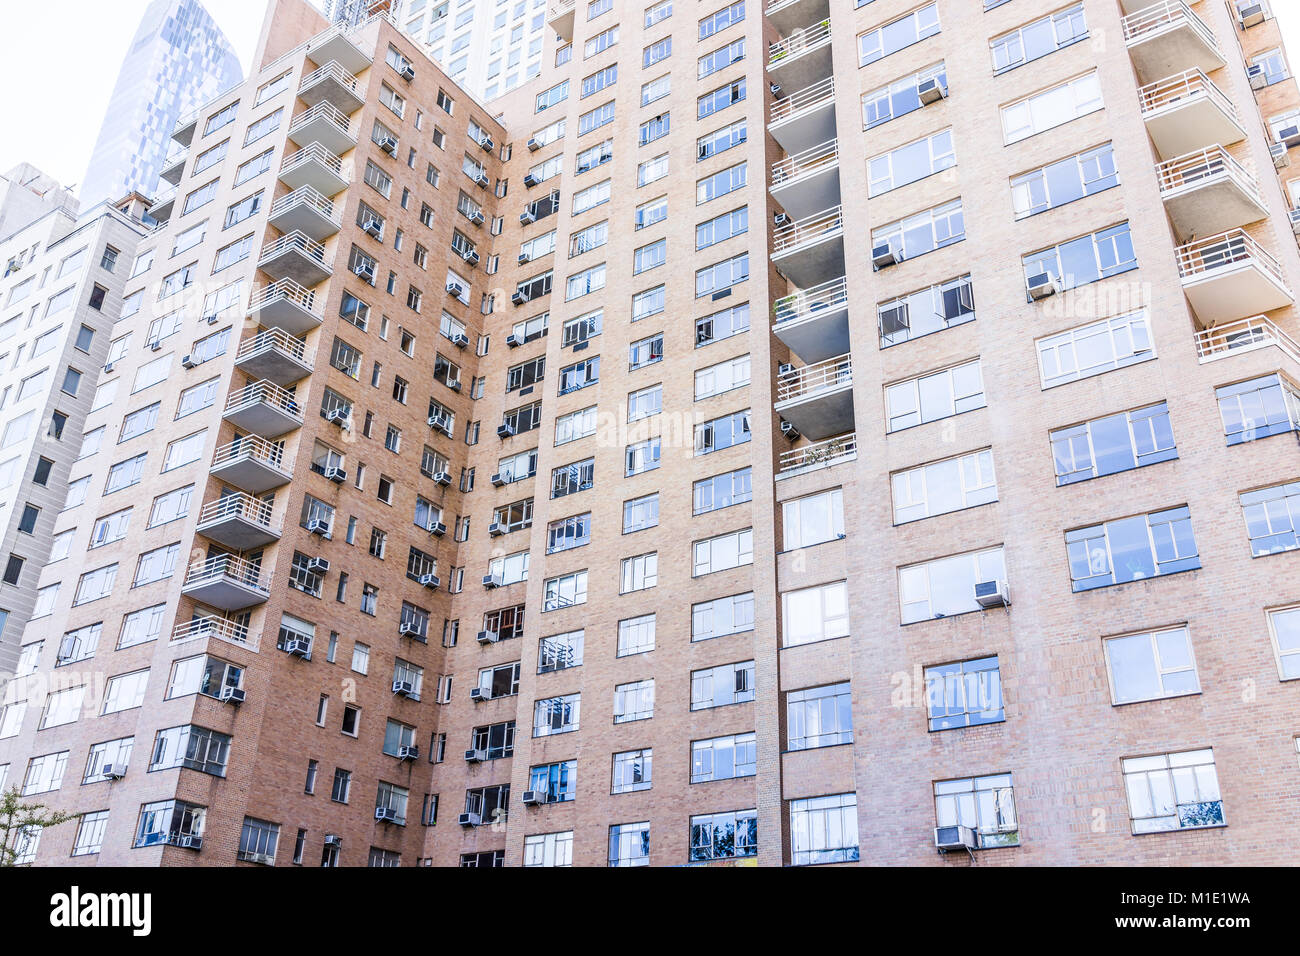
810	251
332	84
1208	192
1231	276
1167	38
1186	112
817	399
814	322
808	181
803	118
802	57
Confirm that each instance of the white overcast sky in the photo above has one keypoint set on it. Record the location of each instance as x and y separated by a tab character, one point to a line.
59	60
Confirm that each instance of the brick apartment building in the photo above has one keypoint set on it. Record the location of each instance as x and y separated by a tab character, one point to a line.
445	521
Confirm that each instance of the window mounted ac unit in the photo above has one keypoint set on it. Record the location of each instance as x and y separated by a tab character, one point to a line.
389	145
483	179
470	256
478	693
498	480
789	431
469	820
318	526
406	629
403	688
519	297
1042	285
486	143
1281	158
1251	14
108	368
232	695
476	217
318	566
885	255
113	771
155	344
333	839
374	227
442	478
780	219
336	475
533	144
475	756
488	637
495	529
931	90
298	647
513	341
365	272
211	319
437	529
784	369
189	362
524	258
430	581
408	753
530	180
992	594
491	581
385	814
1258	79
532	798
455	289
1290	135
187	841
528	216
407	72
460	340
954	838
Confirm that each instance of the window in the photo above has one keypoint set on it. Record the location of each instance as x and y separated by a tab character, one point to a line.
721	617
1271	65
720	183
1284	626
813	519
722	433
1063	182
629	844
639	573
720	140
964	694
94	585
594	119
125	692
579	375
719	21
942	487
191	747
566	534
721	228
1095	348
560	652
634	701
898	34
986	805
1132	549
910	163
567	590
549	849
723	758
45	774
156	565
90	833
722	325
1272	518
1151	665
819	717
935	396
575	425
1086	259
556	715
641	513
1259	408
724	836
924	232
813	614
1051	108
722	685
641	457
646	352
657	52
1116	443
1174	791
1038	38
633	771
946	586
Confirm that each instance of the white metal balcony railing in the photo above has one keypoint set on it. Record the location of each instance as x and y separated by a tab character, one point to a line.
823	297
333	70
307	196
239	505
822	156
809	380
342	29
209	626
1230	248
799	42
1244	334
809	229
1205	164
826	452
164	198
560	7
251	448
313	153
226	567
274	340
282	290
823	91
1184	86
295	240
1163	15
324	110
267	393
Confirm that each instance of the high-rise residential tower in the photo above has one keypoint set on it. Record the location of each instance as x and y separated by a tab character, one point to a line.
178	59
946	501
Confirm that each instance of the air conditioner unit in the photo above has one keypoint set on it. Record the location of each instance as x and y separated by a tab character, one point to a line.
954	838
532	798
495	529
406	629
389	145
505	430
488	637
528	216
232	695
483	179
781	219
365	272
187	841
337	416
319	526
375	228
931	90
155	344
1290	135
408	753
992	594
441	478
476	217
1251	14
108	367
403	688
486	143
1281	158
1042	285
438	421
498	480
333	839
533	144
1294	216
478	693
519	297
470	256
336	475
386	814
114	771
885	255
469	820
1258	78
298	647
524	258
491	581
475	756
430	581
211	319
460	340
189	362
407	72
513	341
318	566
530	180
789	431
784	369
437	529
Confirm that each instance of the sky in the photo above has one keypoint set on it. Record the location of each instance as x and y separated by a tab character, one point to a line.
74	73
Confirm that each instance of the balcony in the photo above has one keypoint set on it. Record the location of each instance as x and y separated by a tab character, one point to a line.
786	15
808	181
1209	192
185	128
818	399
274	355
560	18
307	211
334	85
296	256
805	117
164	204
252	464
263	408
336	45
1245	335
802	58
314	166
210	627
810	251
814	322
173	168
323	124
226	582
1188	112
1167	38
239	522
1230	276
822	454
284	305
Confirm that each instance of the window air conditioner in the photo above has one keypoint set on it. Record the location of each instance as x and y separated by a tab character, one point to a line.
1290	135
488	637
430	581
931	90
408	753
1042	285
385	814
460	340
992	594
469	819
336	475
1251	14
298	647
114	771
475	756
478	693
365	272
486	143
498	480
491	581
505	430
232	695
528	216
318	565
189	362
885	255
407	72
389	145
495	529
455	289
319	526
374	227
533	144
954	838
442	478
1258	78
532	798
406	629
530	180
513	341
403	688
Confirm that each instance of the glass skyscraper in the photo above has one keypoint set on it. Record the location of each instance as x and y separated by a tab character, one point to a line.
178	60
